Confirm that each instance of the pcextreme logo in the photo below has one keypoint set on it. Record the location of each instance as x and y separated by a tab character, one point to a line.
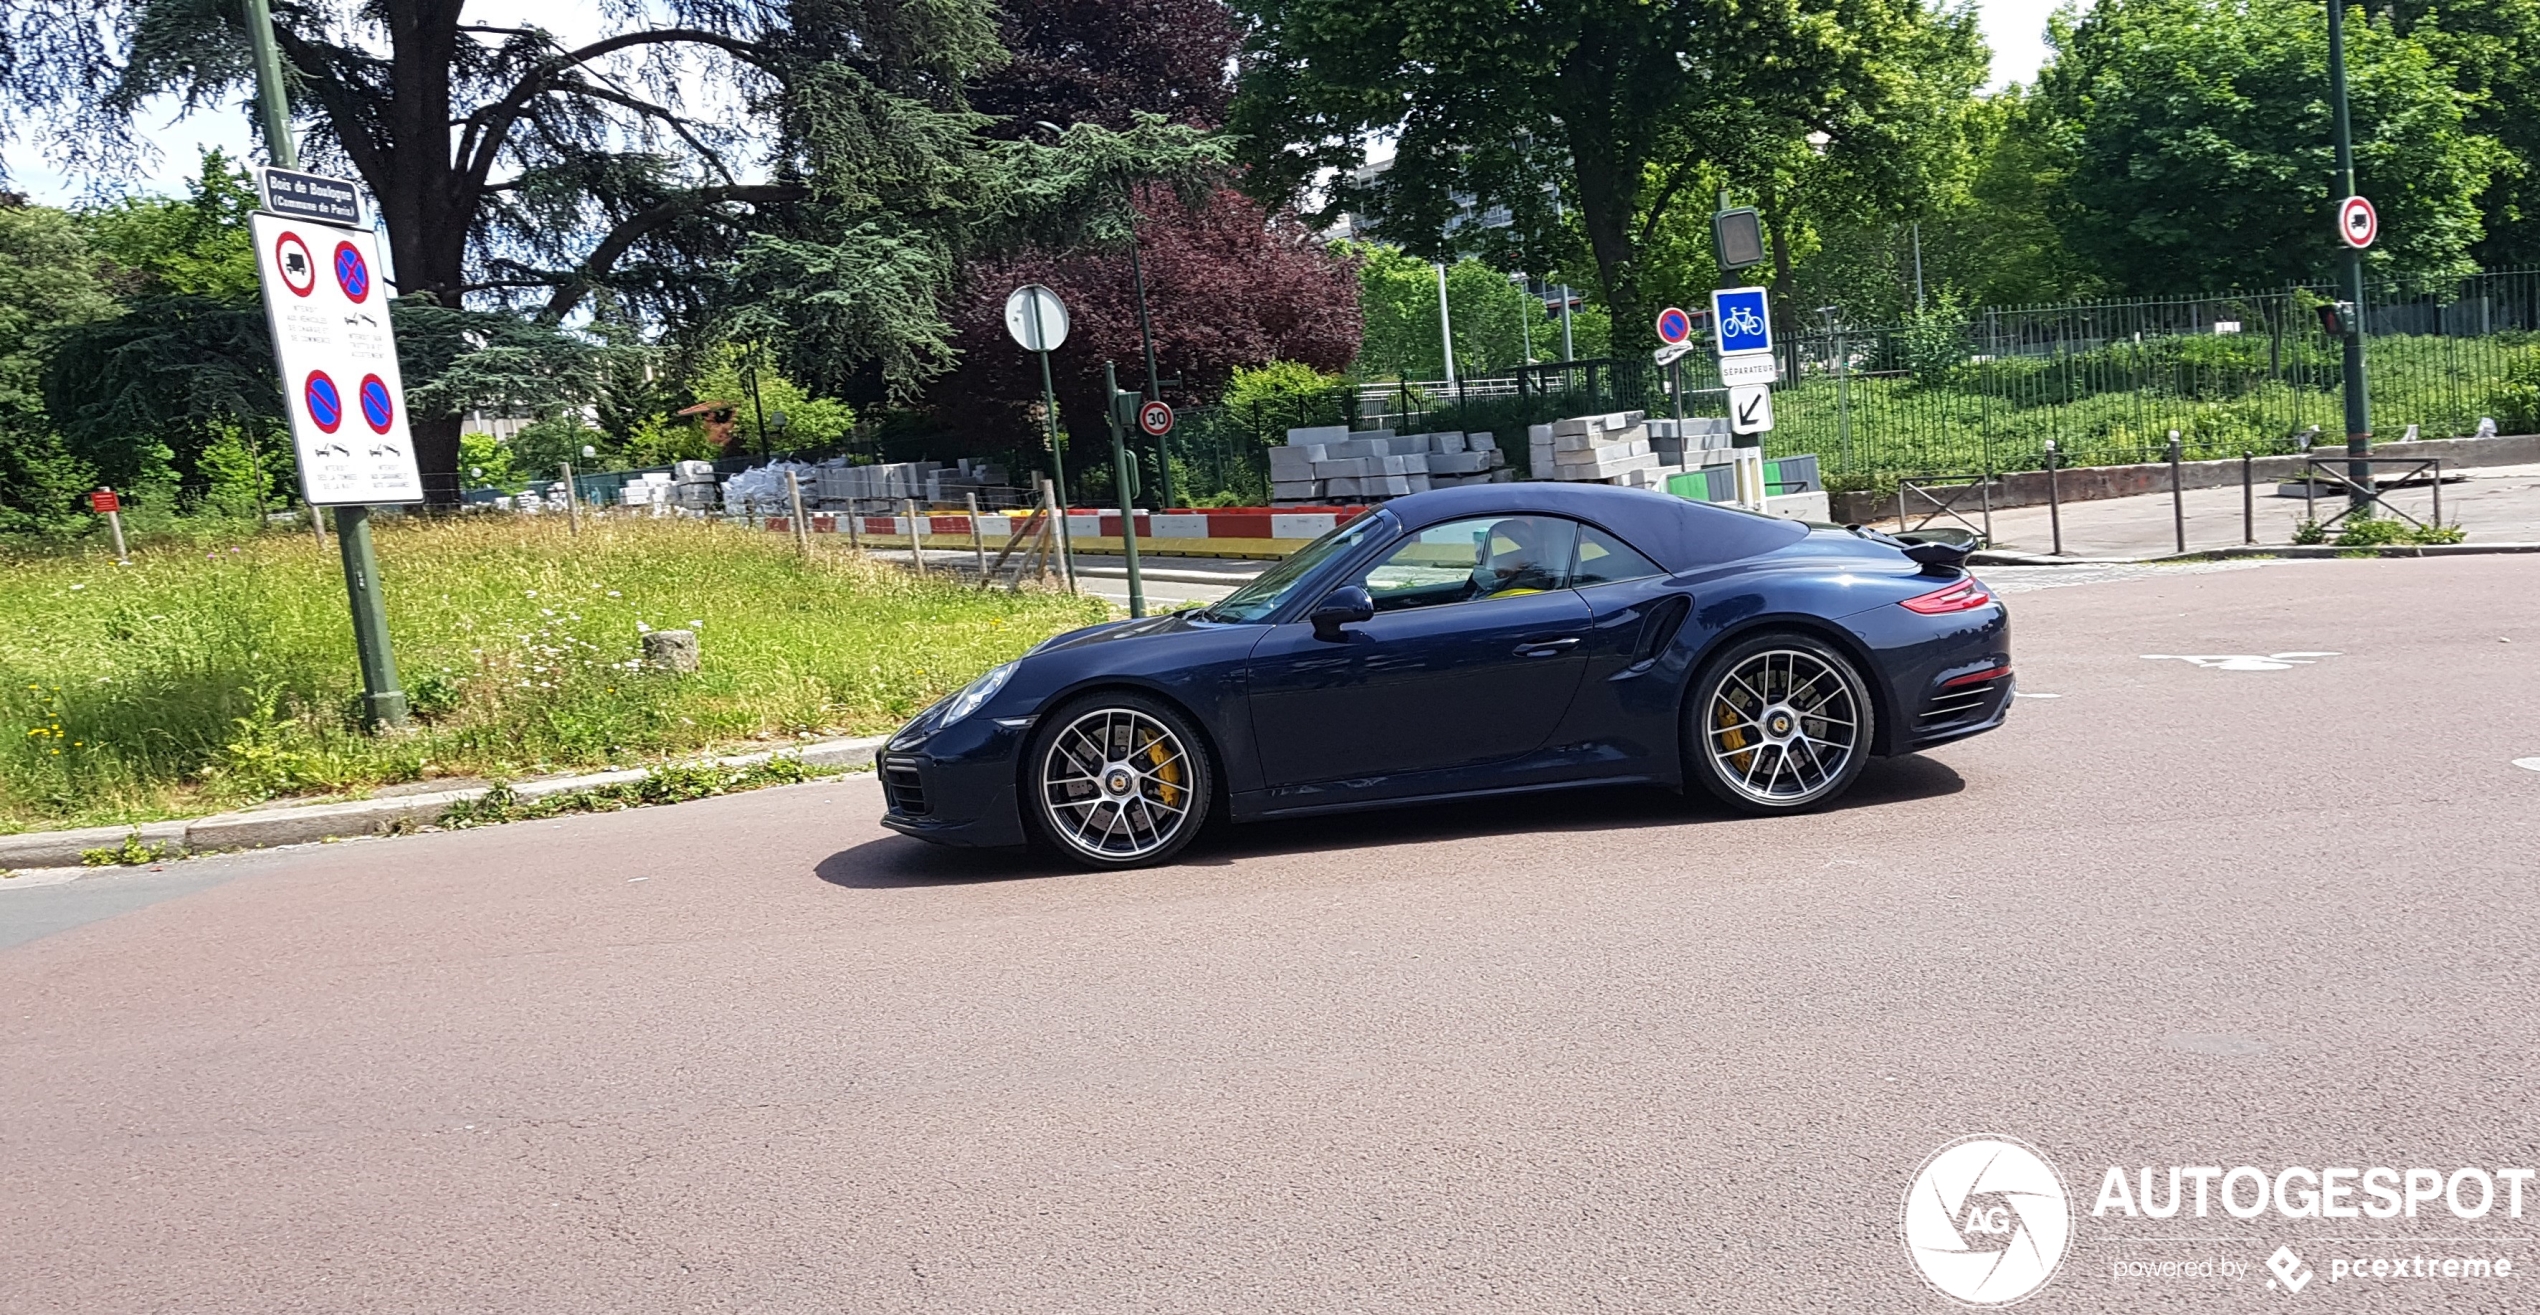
1986	1220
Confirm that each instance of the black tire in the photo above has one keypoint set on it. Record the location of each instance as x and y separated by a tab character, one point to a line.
1116	780
1765	723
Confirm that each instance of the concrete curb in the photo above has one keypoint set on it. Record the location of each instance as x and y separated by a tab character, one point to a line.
1167	574
265	828
2293	550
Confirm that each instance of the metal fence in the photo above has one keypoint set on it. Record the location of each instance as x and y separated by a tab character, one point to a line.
1987	390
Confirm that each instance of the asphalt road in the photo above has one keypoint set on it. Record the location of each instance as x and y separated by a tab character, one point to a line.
1604	1052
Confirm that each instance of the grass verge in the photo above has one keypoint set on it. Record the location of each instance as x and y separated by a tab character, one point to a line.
207	676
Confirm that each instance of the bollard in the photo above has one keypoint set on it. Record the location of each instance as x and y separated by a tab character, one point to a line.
2054	502
572	504
2178	494
794	503
673	651
855	528
978	546
916	538
2248	497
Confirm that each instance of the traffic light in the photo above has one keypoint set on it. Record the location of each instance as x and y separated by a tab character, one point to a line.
1737	237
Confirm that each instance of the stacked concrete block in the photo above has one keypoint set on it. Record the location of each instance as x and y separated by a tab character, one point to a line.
1693	441
1601	447
1332	463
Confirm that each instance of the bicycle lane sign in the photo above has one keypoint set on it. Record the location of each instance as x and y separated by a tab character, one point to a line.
1743	320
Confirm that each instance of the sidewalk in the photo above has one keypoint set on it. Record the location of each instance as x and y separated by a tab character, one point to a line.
2496	504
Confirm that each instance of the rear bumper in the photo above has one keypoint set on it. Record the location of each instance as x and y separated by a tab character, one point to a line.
1937	687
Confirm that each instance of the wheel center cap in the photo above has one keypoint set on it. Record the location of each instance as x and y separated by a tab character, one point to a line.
1780	724
1116	781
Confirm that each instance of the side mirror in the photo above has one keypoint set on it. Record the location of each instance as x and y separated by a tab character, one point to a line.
1346	605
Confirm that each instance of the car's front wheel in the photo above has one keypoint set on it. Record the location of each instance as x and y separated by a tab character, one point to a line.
1117	780
1778	723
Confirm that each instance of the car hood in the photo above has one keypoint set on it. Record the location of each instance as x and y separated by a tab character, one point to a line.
1114	632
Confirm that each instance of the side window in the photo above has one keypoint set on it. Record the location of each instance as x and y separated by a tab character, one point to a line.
1603	559
1468	560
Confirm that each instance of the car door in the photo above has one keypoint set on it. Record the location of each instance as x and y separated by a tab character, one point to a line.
1472	657
1625	708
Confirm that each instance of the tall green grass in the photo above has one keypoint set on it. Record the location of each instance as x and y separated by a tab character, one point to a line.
205	676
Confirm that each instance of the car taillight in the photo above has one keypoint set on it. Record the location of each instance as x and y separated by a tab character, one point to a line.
1965	596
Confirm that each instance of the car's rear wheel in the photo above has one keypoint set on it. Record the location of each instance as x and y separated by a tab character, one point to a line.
1117	780
1778	723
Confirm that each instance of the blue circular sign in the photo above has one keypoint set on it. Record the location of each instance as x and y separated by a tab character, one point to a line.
352	273
377	410
1674	326
326	406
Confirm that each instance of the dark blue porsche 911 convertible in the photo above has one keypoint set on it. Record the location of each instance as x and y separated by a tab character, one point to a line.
1472	641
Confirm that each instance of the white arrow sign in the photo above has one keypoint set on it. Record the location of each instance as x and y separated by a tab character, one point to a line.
1669	354
1750	409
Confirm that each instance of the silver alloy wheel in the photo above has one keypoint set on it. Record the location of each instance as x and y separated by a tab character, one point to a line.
1116	784
1782	726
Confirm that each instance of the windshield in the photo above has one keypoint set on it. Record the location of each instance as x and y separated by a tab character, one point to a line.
1272	587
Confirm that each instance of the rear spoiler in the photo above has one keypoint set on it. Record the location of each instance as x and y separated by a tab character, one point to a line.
1937	551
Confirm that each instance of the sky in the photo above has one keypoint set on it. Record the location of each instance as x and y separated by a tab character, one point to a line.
2015	29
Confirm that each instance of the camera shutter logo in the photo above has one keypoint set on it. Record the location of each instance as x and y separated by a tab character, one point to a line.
1986	1220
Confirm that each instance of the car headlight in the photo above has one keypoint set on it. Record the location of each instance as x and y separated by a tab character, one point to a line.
976	694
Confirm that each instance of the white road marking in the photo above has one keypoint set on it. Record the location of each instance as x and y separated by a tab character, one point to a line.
2024	694
2532	763
2244	661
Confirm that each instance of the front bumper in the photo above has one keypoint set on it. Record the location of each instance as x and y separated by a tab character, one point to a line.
955	787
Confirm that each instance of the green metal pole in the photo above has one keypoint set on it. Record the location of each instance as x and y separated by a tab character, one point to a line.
1155	386
272	102
1058	473
383	699
1121	480
2358	393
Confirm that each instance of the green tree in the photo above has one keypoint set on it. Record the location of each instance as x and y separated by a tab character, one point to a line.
2493	49
47	286
2197	139
1494	319
195	247
1590	122
509	167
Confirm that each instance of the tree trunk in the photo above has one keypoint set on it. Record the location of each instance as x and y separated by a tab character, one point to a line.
1609	192
1785	308
425	199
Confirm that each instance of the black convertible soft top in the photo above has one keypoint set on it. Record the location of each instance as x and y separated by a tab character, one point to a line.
1675	533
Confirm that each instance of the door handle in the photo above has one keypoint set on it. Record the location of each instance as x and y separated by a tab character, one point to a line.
1545	647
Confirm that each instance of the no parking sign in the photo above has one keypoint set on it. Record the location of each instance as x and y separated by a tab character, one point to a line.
338	359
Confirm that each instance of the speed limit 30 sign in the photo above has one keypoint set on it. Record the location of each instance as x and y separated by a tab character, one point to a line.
1155	419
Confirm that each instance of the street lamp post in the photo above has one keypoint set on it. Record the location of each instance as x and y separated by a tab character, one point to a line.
2351	281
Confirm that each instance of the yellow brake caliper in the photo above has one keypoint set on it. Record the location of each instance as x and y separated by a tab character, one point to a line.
1168	771
1732	738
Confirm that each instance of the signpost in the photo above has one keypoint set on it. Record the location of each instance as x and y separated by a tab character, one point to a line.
338	359
106	504
2351	274
1037	319
1127	409
1743	320
1674	327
